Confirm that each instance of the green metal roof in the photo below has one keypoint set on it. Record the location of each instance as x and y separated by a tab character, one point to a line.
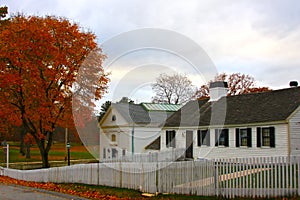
161	107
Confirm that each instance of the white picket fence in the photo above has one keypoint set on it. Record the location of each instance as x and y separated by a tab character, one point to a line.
258	177
241	177
161	156
162	177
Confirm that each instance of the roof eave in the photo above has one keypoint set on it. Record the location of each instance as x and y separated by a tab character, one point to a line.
227	125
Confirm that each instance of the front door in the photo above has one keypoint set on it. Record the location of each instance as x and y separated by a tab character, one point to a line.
189	144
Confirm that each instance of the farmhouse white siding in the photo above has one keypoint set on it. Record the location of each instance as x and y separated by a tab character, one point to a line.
294	128
212	151
274	116
108	118
142	137
129	128
122	142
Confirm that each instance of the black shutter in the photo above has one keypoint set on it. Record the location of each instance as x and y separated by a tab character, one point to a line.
249	137
226	137
199	138
167	136
272	137
208	138
237	137
216	137
258	130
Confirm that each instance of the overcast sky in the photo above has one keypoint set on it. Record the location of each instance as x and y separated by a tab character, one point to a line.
260	38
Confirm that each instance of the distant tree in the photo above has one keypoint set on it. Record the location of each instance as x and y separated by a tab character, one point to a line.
173	89
3	13
104	107
126	100
259	89
202	92
237	84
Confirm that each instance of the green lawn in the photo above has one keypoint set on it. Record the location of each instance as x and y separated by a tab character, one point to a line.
125	193
57	153
133	194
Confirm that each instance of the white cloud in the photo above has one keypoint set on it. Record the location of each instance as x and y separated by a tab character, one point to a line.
261	38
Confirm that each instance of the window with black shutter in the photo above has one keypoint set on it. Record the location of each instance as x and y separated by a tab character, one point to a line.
249	137
203	138
237	137
243	137
272	137
258	137
170	139
222	137
265	137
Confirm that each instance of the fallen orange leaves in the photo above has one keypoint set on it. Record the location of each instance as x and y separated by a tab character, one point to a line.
77	191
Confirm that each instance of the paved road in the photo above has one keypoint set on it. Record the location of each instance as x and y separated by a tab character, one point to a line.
11	192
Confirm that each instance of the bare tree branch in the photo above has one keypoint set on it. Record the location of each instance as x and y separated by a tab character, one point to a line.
173	89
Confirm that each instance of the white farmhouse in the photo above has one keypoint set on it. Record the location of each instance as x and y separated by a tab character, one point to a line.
128	128
248	125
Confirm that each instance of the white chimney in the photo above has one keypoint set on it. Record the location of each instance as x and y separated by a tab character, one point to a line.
217	90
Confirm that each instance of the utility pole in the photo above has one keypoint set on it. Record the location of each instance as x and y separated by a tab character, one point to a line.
66	142
7	156
68	147
132	139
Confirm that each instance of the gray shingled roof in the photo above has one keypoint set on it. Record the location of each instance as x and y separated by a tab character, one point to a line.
271	106
155	145
137	114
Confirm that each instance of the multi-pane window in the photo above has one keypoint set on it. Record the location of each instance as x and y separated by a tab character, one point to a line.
265	136
203	137
222	137
114	153
243	137
170	139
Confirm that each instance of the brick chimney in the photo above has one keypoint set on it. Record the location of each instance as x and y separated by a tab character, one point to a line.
217	90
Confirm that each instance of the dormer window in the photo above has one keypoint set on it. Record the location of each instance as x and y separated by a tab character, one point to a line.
113	118
113	138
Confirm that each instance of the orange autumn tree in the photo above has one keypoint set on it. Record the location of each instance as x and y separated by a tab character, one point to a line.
39	61
4	125
237	84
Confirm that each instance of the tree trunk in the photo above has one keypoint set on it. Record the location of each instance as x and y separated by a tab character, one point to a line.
28	151
44	153
22	146
45	160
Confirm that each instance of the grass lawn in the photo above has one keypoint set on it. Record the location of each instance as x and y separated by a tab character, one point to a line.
133	194
104	192
125	193
57	153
